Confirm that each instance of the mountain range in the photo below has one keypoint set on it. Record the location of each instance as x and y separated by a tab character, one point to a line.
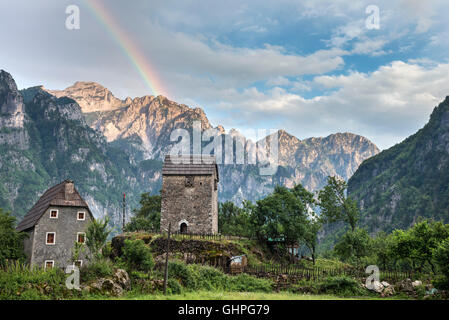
111	146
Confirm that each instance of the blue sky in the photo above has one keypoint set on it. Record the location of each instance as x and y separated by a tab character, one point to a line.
310	67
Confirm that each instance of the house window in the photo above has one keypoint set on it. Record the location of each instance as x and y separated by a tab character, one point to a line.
81	237
79	263
49	264
51	238
81	215
53	214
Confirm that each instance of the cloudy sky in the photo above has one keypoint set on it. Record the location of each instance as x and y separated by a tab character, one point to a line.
310	67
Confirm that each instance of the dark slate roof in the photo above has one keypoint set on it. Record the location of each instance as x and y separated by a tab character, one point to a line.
55	196
190	165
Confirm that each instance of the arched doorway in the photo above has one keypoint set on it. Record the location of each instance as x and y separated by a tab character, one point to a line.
183	227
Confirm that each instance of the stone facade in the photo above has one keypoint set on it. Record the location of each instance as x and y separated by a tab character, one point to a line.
190	199
65	226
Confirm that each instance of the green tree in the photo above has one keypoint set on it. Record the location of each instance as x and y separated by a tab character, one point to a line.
354	245
335	205
283	214
97	234
11	241
418	243
233	220
148	216
382	249
310	235
441	257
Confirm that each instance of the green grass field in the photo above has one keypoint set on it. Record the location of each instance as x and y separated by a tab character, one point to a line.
213	295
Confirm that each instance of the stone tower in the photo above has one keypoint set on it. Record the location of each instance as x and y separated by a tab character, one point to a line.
189	194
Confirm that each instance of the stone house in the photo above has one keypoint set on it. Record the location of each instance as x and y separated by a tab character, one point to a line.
57	220
189	194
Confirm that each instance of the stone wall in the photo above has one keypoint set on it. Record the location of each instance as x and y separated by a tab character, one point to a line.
194	205
66	227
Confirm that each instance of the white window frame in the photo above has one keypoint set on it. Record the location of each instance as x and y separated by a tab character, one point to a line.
57	213
52	264
80	261
77	234
78	217
54	239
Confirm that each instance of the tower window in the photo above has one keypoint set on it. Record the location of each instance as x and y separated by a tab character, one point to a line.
189	181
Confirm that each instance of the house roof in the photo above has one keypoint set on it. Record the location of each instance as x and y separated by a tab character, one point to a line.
57	195
190	165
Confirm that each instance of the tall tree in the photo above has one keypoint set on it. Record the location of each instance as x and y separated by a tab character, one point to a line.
97	234
335	205
310	235
11	241
148	216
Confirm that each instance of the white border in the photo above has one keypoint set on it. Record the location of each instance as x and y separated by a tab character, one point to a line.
46	239
57	213
45	264
77	216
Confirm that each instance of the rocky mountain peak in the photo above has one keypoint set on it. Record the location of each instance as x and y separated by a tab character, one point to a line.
91	96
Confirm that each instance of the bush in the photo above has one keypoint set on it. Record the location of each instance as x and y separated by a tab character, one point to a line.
247	283
18	281
342	286
99	268
183	273
137	256
173	287
197	277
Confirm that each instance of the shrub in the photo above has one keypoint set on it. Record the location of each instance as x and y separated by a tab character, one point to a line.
247	283
173	287
99	268
18	281
137	256
341	285
183	273
197	277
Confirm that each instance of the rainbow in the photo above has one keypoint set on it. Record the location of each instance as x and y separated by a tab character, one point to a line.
129	48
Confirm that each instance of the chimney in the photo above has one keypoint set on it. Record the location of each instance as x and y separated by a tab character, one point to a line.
69	188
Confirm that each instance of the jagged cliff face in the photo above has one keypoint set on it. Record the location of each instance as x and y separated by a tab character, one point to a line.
111	146
409	180
12	113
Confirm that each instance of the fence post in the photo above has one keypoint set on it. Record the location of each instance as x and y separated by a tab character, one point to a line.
166	259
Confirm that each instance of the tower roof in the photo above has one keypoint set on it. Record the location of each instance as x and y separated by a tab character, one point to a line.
190	165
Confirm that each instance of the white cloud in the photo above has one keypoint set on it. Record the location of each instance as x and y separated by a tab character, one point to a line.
386	105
